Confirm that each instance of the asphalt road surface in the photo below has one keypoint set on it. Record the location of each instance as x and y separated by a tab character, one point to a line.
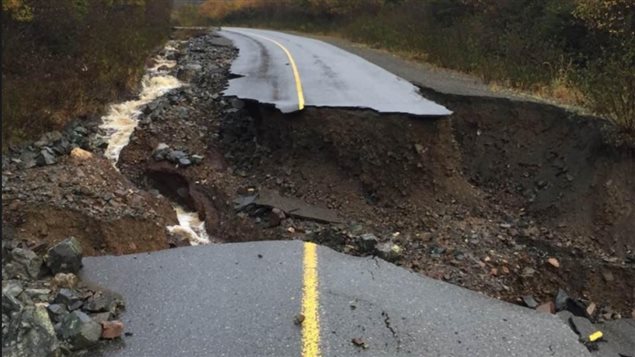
292	72
245	300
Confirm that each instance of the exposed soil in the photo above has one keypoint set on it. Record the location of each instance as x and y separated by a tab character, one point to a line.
483	199
89	200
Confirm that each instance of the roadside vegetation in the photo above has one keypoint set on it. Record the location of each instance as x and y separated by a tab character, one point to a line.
578	52
66	59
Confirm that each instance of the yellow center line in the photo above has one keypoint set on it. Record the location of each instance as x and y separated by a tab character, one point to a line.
310	303
294	68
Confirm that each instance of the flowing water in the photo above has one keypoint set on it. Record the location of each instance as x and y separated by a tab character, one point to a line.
121	121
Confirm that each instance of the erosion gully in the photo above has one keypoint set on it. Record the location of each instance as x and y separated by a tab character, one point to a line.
504	197
122	119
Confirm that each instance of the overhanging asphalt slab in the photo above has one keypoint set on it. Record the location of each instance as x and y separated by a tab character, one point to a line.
329	76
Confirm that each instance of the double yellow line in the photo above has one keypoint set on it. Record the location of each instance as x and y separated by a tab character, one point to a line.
294	68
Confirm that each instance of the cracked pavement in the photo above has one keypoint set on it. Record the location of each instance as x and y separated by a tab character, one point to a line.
242	300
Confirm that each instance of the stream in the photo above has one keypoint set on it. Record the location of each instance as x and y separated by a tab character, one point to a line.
122	119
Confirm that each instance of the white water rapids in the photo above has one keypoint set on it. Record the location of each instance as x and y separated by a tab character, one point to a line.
121	121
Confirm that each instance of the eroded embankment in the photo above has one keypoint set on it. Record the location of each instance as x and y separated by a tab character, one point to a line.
482	199
487	199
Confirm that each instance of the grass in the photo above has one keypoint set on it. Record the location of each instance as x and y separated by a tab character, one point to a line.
65	64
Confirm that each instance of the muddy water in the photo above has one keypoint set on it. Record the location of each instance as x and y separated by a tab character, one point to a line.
121	121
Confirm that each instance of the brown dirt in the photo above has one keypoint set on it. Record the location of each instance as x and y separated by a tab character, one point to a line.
87	199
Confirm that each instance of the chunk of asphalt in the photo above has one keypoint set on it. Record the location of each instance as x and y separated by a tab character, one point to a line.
296	207
582	326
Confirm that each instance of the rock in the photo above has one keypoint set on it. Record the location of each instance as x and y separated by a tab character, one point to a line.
176	155
185	162
65	257
389	251
528	272
561	300
276	216
102	301
591	309
38	294
367	242
10	304
188	72
68	297
26	263
39	338
64	280
530	301
420	149
80	330
547	307
46	157
196	159
27	160
81	154
57	312
359	343
553	262
101	316
111	329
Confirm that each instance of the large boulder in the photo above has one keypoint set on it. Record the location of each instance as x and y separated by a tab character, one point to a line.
80	331
65	257
24	263
35	335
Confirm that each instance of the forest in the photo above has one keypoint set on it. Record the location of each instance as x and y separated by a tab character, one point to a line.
66	59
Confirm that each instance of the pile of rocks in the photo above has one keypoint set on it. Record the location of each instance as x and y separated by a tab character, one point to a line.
46	310
54	144
179	157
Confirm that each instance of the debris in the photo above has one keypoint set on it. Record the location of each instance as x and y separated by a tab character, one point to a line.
561	300
359	343
65	257
367	242
68	297
111	329
547	307
553	262
81	154
80	330
296	208
26	263
389	251
590	310
299	319
64	280
530	301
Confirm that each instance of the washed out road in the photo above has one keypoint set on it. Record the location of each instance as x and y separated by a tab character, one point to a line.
292	72
292	298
